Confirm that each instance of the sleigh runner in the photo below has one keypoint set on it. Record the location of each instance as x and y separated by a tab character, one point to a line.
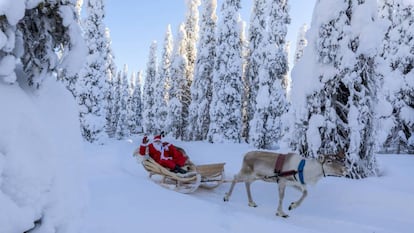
206	176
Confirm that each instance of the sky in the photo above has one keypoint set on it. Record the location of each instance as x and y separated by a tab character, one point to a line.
135	24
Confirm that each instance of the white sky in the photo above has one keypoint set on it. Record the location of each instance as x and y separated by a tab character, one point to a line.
135	24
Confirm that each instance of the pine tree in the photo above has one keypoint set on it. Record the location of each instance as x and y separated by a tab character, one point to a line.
246	83
278	70
57	32
191	29
179	68
256	34
163	81
148	114
70	79
199	116
136	105
110	98
258	77
336	111
225	110
300	43
111	81
271	103
115	89
122	130
398	71
91	86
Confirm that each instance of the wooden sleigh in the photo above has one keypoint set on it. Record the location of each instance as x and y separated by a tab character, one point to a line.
207	176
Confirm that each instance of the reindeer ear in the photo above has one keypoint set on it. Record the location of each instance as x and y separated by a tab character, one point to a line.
321	158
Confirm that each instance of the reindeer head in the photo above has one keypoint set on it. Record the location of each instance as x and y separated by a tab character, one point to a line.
333	164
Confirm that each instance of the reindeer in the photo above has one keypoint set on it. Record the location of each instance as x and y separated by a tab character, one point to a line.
286	169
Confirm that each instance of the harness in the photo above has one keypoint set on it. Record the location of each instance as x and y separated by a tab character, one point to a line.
279	173
300	171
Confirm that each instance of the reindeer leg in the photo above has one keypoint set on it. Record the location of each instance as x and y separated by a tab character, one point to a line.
282	187
228	194
249	194
295	204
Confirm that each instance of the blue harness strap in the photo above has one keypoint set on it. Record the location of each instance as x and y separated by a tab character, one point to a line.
300	171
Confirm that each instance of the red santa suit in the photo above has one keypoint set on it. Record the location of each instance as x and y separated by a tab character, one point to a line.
163	153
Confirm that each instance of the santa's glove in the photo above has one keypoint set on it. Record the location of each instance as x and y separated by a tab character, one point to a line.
145	140
142	158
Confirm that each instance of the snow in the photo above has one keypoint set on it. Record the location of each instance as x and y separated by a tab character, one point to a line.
76	187
75	58
13	10
124	199
324	15
7	65
48	172
365	26
315	123
40	148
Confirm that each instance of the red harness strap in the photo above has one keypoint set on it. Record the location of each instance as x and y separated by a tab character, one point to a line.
279	165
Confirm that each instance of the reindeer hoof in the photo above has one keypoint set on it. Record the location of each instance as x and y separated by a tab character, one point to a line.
226	197
292	206
283	215
252	204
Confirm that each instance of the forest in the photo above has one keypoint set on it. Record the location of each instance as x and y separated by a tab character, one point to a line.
350	89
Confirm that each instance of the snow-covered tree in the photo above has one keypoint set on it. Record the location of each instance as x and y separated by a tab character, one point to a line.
256	35
136	105
122	129
226	106
397	120
37	49
40	145
246	84
257	77
148	101
91	86
191	29
334	96
111	81
199	110
300	43
67	79
177	113
279	19
266	127
115	89
162	82
110	113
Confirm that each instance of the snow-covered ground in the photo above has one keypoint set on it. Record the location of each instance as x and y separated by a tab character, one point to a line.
48	173
124	199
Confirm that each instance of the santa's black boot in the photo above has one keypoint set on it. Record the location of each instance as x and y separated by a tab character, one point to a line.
178	169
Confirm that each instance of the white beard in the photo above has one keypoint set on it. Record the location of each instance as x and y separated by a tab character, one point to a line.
158	146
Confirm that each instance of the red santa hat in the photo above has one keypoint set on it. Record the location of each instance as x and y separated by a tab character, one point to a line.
157	138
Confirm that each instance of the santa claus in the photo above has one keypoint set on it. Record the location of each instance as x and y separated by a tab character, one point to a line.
164	153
